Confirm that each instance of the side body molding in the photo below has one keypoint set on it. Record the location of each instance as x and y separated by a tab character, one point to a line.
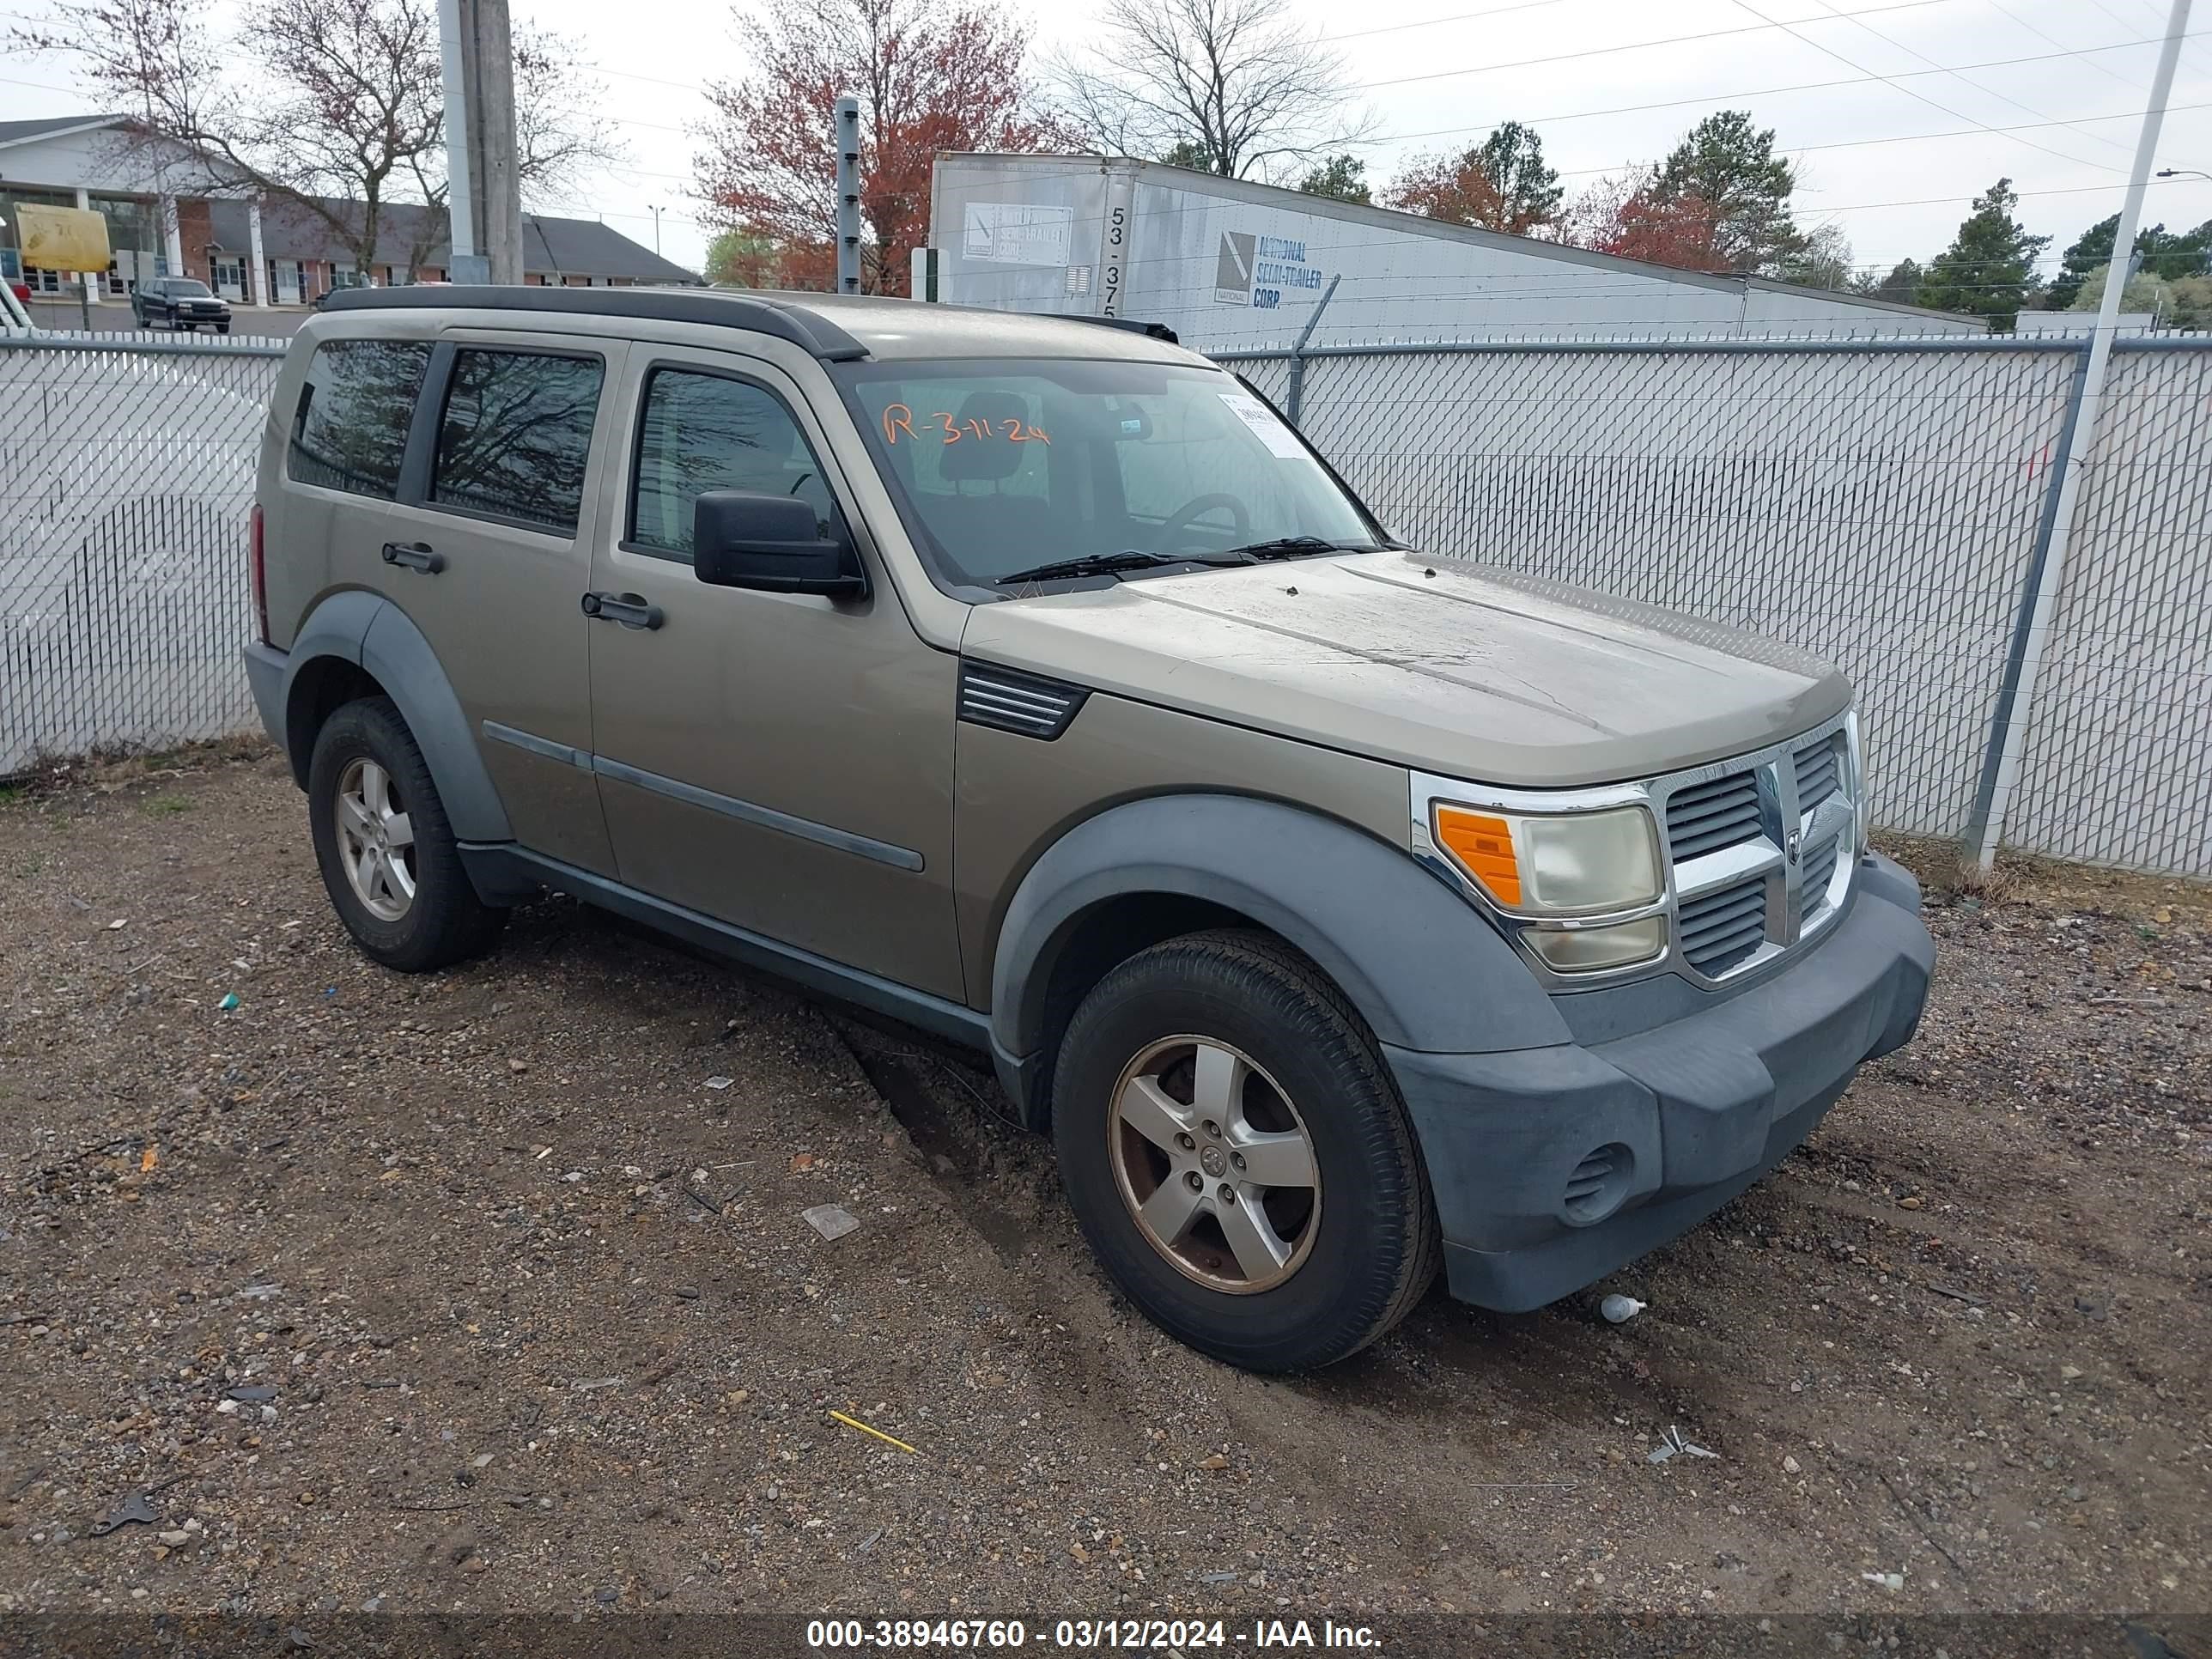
370	632
1423	969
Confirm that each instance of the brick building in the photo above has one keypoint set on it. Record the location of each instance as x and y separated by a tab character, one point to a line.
252	252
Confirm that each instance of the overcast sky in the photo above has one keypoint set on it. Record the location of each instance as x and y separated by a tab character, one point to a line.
1607	82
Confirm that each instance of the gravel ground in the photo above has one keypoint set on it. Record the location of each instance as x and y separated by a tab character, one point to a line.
477	1292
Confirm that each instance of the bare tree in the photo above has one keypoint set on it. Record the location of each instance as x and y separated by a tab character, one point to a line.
1233	86
332	110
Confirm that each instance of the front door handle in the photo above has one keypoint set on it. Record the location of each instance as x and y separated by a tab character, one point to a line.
630	610
415	555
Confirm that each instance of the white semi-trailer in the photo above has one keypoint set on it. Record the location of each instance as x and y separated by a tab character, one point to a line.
1229	264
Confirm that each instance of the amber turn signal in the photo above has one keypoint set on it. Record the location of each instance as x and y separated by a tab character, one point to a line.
1483	844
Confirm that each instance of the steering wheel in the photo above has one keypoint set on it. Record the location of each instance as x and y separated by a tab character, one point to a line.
1181	519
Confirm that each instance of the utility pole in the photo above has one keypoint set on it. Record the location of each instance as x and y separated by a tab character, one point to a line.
484	187
848	195
656	212
2016	698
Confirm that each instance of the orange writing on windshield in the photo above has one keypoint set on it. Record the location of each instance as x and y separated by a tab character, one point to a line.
946	428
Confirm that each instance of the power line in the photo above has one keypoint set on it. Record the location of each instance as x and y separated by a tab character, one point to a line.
1919	138
1792	29
1987	91
1434	22
1634	45
1761	92
2110	75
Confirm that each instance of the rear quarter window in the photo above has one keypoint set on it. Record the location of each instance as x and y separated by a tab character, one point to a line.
349	430
516	436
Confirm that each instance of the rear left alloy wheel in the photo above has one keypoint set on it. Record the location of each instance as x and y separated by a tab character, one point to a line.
387	853
1237	1154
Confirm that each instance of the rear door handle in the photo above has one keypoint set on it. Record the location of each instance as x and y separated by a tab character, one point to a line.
415	555
630	610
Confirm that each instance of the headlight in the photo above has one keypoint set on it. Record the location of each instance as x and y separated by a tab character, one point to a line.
1566	864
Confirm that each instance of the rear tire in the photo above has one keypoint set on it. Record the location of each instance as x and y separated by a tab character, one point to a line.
1263	1273
387	853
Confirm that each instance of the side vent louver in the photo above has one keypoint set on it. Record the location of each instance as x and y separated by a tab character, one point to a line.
1013	702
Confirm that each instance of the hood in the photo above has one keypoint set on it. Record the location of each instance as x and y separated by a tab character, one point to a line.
1472	671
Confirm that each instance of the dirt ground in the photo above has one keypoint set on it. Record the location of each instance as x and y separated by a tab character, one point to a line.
490	1291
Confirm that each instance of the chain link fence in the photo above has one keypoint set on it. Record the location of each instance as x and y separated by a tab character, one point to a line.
1880	503
126	476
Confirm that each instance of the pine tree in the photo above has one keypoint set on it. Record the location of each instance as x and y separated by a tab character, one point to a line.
1512	159
1343	176
1730	166
1987	270
1898	286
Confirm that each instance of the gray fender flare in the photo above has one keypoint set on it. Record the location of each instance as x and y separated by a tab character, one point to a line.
374	635
1423	967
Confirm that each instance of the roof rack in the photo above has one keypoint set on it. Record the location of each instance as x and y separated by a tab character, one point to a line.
807	330
1127	324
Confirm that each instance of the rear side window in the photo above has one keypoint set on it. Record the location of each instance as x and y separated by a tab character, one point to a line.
350	428
516	436
703	431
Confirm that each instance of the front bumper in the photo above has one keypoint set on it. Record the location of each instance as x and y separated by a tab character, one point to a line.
1552	1167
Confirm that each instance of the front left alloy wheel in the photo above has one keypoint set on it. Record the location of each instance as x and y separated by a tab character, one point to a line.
1237	1152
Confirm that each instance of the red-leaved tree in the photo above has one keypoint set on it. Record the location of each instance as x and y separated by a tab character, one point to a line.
929	78
1629	214
1502	184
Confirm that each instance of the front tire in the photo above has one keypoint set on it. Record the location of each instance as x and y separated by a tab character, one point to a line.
1238	1156
386	851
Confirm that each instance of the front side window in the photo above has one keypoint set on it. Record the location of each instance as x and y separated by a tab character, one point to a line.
700	432
1002	465
516	436
350	431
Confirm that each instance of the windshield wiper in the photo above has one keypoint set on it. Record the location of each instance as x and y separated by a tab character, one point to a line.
1113	564
1297	547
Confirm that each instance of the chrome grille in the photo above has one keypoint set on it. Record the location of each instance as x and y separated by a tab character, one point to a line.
1820	870
1720	929
1707	817
1819	773
1754	843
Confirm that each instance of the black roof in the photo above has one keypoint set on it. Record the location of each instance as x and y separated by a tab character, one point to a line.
834	327
13	133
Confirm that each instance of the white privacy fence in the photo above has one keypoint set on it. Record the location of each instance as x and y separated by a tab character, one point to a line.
1882	503
126	476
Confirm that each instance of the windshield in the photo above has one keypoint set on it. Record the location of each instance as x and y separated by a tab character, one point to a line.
184	288
1001	466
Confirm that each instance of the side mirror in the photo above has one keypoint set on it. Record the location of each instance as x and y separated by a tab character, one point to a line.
772	543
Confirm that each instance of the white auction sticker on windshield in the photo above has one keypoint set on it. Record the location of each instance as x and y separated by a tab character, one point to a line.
1279	438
